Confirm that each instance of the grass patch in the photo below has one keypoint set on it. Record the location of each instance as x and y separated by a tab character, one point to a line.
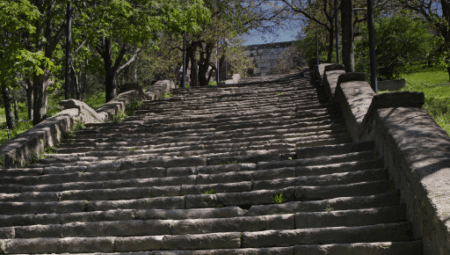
434	83
133	149
279	199
167	94
210	192
214	83
279	93
120	116
131	108
227	163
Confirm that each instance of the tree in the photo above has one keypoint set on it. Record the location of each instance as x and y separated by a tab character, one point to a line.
437	13
400	41
16	20
121	27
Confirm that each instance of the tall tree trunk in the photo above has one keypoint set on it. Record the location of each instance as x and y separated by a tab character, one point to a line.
110	85
223	69
8	107
330	45
445	30
347	35
40	89
205	59
29	90
194	70
16	114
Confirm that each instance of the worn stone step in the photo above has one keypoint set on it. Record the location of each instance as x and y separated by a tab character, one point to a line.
159	143
394	232
372	248
121	244
389	199
288	194
152	227
217	183
174	130
208	135
204	200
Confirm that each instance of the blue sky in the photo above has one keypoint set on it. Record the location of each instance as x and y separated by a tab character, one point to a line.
258	38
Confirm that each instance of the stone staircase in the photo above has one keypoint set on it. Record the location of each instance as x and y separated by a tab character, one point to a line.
254	168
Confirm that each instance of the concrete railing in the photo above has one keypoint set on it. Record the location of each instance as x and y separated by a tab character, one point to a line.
415	149
21	150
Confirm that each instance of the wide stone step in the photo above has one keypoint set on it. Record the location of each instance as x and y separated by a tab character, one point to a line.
396	232
370	216
208	149
204	200
215	183
390	199
378	248
374	248
188	141
171	135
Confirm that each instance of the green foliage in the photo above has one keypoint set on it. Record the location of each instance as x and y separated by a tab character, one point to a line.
279	199
279	93
214	83
131	108
227	163
306	44
120	116
49	150
401	40
210	192
133	149
433	82
167	94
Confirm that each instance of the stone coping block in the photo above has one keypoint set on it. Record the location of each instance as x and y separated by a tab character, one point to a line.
330	81
318	73
21	150
235	79
392	84
351	77
157	90
333	67
394	99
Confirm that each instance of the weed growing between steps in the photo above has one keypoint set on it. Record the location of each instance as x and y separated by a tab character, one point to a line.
119	117
132	107
279	199
210	192
167	94
78	125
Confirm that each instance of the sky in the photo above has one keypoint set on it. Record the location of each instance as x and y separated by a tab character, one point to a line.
283	36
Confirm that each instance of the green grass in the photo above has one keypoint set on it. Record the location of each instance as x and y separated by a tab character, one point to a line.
279	199
214	83
434	83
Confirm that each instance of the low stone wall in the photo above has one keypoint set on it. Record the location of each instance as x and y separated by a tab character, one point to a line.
20	151
416	150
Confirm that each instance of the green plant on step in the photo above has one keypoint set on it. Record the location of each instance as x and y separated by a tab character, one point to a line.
219	206
50	150
167	94
328	208
279	93
131	107
210	192
120	116
227	163
278	199
133	149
